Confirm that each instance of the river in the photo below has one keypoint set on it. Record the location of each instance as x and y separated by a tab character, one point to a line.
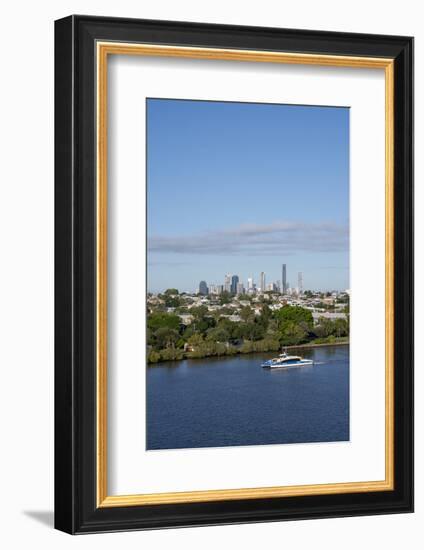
228	401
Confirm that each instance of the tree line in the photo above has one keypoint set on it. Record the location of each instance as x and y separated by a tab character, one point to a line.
211	335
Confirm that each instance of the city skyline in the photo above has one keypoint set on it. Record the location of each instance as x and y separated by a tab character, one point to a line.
233	187
235	284
238	287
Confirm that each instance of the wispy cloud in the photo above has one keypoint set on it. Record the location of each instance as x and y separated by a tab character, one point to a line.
280	237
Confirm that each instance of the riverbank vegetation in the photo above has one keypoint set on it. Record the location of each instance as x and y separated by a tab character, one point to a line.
210	334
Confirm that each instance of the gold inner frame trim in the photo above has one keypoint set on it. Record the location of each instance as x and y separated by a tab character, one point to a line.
104	49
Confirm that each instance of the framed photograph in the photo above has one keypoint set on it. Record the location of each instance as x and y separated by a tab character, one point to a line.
234	274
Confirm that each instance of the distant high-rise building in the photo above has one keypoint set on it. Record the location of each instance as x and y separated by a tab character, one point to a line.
203	288
240	288
219	289
262	283
227	282
213	289
234	282
284	279
300	282
250	283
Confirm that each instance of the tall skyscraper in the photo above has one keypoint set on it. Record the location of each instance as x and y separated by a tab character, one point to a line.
227	282
203	288
240	288
283	279
300	282
234	282
250	283
262	283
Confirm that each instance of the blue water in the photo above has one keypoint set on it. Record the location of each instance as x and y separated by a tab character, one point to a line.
233	401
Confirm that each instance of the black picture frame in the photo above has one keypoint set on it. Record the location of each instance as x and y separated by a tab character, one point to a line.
76	510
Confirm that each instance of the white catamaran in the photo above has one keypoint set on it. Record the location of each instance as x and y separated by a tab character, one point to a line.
285	361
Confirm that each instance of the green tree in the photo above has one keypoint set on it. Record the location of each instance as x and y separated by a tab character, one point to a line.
187	332
163	320
202	319
171	354
153	356
266	312
150	337
230	327
251	331
224	298
347	308
341	328
264	318
172	301
199	312
195	340
292	334
296	314
205	324
328	327
294	324
247	314
166	337
217	334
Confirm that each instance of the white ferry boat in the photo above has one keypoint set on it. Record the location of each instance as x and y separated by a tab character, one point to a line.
285	361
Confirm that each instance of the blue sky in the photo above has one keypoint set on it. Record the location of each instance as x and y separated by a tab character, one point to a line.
242	188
